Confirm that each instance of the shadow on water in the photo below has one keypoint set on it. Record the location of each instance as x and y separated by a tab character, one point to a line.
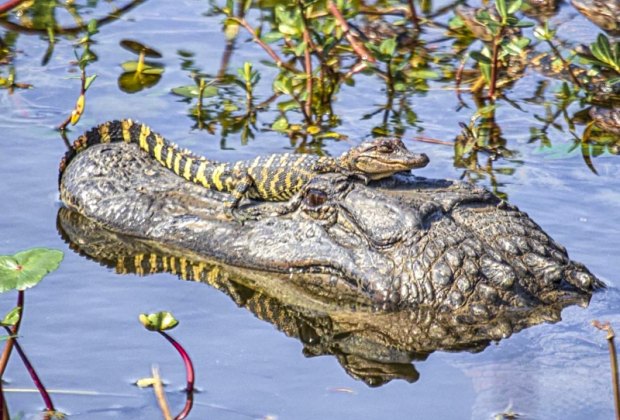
373	346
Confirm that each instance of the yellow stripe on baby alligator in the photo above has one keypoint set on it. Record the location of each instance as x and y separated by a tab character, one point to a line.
187	174
173	267
138	264
104	133
216	178
125	126
183	262
200	175
159	144
144	133
170	152
177	162
153	263
196	271
264	177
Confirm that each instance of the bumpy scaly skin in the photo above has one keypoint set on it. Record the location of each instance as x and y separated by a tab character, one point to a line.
603	13
402	242
607	119
373	346
276	177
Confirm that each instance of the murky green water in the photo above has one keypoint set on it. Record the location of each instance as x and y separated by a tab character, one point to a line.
80	327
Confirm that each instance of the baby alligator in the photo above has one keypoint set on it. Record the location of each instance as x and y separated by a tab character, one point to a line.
275	177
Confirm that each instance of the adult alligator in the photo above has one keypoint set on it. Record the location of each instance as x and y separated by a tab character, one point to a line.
401	242
373	346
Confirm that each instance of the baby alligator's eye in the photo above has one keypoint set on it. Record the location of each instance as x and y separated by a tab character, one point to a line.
385	148
315	198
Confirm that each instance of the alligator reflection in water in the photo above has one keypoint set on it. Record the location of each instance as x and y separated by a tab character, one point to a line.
371	345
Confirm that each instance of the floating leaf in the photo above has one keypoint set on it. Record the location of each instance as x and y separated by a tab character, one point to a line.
193	91
145	382
132	82
158	321
27	268
147	68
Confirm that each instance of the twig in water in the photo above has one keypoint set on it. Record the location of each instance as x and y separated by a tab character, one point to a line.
614	361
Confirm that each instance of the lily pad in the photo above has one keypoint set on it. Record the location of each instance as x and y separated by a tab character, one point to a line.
159	321
26	269
132	82
148	68
193	91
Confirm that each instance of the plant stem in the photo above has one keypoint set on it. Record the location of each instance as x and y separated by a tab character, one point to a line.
189	367
8	347
241	21
413	16
359	48
565	64
189	402
49	406
614	362
494	64
11	4
140	67
160	395
307	66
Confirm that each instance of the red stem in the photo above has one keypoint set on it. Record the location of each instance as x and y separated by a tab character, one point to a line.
5	7
33	374
189	367
188	407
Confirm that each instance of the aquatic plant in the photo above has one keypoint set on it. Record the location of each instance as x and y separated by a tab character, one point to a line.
19	272
161	322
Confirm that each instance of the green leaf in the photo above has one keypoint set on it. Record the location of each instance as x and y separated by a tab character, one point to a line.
288	29
388	47
476	55
281	124
193	91
523	24
425	74
27	268
270	37
288	105
299	49
132	66
603	48
158	321
89	80
12	317
516	46
515	5
500	5
91	28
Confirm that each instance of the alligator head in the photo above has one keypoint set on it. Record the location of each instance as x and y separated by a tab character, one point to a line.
404	242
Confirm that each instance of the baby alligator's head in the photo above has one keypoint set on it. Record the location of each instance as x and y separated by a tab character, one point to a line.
381	158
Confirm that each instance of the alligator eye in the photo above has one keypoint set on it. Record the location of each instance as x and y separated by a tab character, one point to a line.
315	198
385	148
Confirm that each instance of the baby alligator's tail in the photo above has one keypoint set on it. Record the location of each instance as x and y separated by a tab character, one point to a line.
128	131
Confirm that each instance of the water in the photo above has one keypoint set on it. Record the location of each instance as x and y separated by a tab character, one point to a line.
80	327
